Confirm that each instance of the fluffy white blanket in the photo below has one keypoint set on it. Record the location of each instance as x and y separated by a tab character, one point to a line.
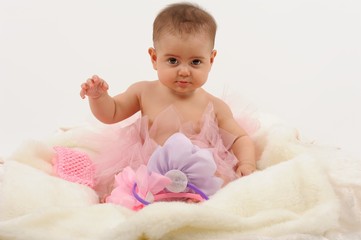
301	191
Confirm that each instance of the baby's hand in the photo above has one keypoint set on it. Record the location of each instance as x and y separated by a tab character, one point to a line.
245	169
94	87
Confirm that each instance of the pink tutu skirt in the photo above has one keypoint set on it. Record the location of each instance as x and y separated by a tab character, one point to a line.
132	145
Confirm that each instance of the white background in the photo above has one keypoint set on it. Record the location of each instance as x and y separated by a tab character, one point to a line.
298	60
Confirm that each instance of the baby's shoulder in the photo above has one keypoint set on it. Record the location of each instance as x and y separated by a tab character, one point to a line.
217	102
144	84
141	86
220	107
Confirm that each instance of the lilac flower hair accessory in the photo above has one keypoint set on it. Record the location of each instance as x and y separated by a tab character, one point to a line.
189	167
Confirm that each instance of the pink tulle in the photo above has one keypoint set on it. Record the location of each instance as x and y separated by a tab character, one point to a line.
132	145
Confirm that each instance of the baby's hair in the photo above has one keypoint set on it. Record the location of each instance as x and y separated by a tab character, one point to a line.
180	18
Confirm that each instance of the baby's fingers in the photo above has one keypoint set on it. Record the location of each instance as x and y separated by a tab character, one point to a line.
244	170
84	88
93	87
104	85
96	80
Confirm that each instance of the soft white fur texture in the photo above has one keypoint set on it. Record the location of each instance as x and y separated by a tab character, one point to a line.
301	191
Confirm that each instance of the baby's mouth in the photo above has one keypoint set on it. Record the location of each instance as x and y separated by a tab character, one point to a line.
183	83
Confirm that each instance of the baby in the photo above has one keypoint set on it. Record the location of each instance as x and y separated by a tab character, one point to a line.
182	54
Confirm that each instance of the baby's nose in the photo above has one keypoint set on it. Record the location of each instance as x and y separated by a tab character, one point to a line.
183	71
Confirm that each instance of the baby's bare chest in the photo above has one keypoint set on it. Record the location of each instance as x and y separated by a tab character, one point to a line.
182	113
183	109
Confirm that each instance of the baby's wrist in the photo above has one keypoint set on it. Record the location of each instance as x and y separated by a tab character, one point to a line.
97	96
253	165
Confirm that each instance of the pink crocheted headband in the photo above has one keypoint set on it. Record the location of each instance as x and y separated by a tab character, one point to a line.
73	166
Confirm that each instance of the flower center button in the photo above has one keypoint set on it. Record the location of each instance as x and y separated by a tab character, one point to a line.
179	181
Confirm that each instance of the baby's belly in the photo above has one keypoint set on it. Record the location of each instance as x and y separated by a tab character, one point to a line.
162	131
160	138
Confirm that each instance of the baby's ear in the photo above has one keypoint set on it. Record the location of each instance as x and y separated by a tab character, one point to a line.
213	55
153	57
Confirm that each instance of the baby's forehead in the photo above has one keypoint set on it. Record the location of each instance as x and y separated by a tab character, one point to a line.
201	34
185	45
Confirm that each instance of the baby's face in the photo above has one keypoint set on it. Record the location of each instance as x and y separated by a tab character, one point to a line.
183	61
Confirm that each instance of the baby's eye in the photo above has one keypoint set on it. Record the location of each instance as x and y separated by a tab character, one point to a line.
172	61
196	62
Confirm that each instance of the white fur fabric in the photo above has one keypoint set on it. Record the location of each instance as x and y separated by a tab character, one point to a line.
302	191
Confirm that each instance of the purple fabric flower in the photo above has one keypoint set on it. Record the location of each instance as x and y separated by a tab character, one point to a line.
198	165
